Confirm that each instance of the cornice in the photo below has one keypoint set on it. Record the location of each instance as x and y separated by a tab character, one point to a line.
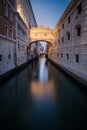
69	8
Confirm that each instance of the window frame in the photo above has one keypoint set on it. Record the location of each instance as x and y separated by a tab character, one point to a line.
79	30
69	20
67	55
6	31
77	58
5	8
11	33
79	8
0	58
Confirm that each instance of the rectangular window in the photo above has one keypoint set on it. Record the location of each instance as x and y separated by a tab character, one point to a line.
61	55
9	56
18	46
63	26
5	8
69	19
79	31
68	34
58	54
6	31
79	8
77	58
10	14
0	57
62	39
67	55
11	33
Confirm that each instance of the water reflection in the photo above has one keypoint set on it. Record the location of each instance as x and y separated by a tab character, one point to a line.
41	97
43	70
43	106
42	89
43	86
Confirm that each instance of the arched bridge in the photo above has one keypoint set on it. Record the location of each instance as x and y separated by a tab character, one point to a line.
41	33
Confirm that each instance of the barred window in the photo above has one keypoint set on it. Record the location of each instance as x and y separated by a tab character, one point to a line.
62	39
68	35
67	55
77	58
79	31
69	19
63	26
0	57
79	8
9	56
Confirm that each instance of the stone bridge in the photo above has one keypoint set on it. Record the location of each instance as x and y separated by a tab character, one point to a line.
41	33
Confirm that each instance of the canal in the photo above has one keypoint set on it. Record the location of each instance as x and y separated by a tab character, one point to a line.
41	97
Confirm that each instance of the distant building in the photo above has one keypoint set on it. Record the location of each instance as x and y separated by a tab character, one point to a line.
70	46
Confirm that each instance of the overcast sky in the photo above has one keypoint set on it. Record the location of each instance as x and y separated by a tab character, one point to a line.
48	12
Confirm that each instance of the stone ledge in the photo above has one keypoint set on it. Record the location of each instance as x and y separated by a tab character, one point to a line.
14	71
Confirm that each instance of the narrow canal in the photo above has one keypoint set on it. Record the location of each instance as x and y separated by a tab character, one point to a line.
41	97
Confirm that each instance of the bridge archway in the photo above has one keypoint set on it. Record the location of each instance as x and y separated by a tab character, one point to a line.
41	33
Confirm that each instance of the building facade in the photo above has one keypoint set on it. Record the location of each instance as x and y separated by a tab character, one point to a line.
70	47
22	39
25	20
7	35
16	19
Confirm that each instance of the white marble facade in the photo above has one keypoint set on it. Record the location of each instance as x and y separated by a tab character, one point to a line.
25	21
70	46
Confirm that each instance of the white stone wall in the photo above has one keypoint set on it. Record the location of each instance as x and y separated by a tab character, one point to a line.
7	48
21	52
25	20
76	44
22	41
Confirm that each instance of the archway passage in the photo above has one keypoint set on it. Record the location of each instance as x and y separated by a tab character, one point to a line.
41	33
42	47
